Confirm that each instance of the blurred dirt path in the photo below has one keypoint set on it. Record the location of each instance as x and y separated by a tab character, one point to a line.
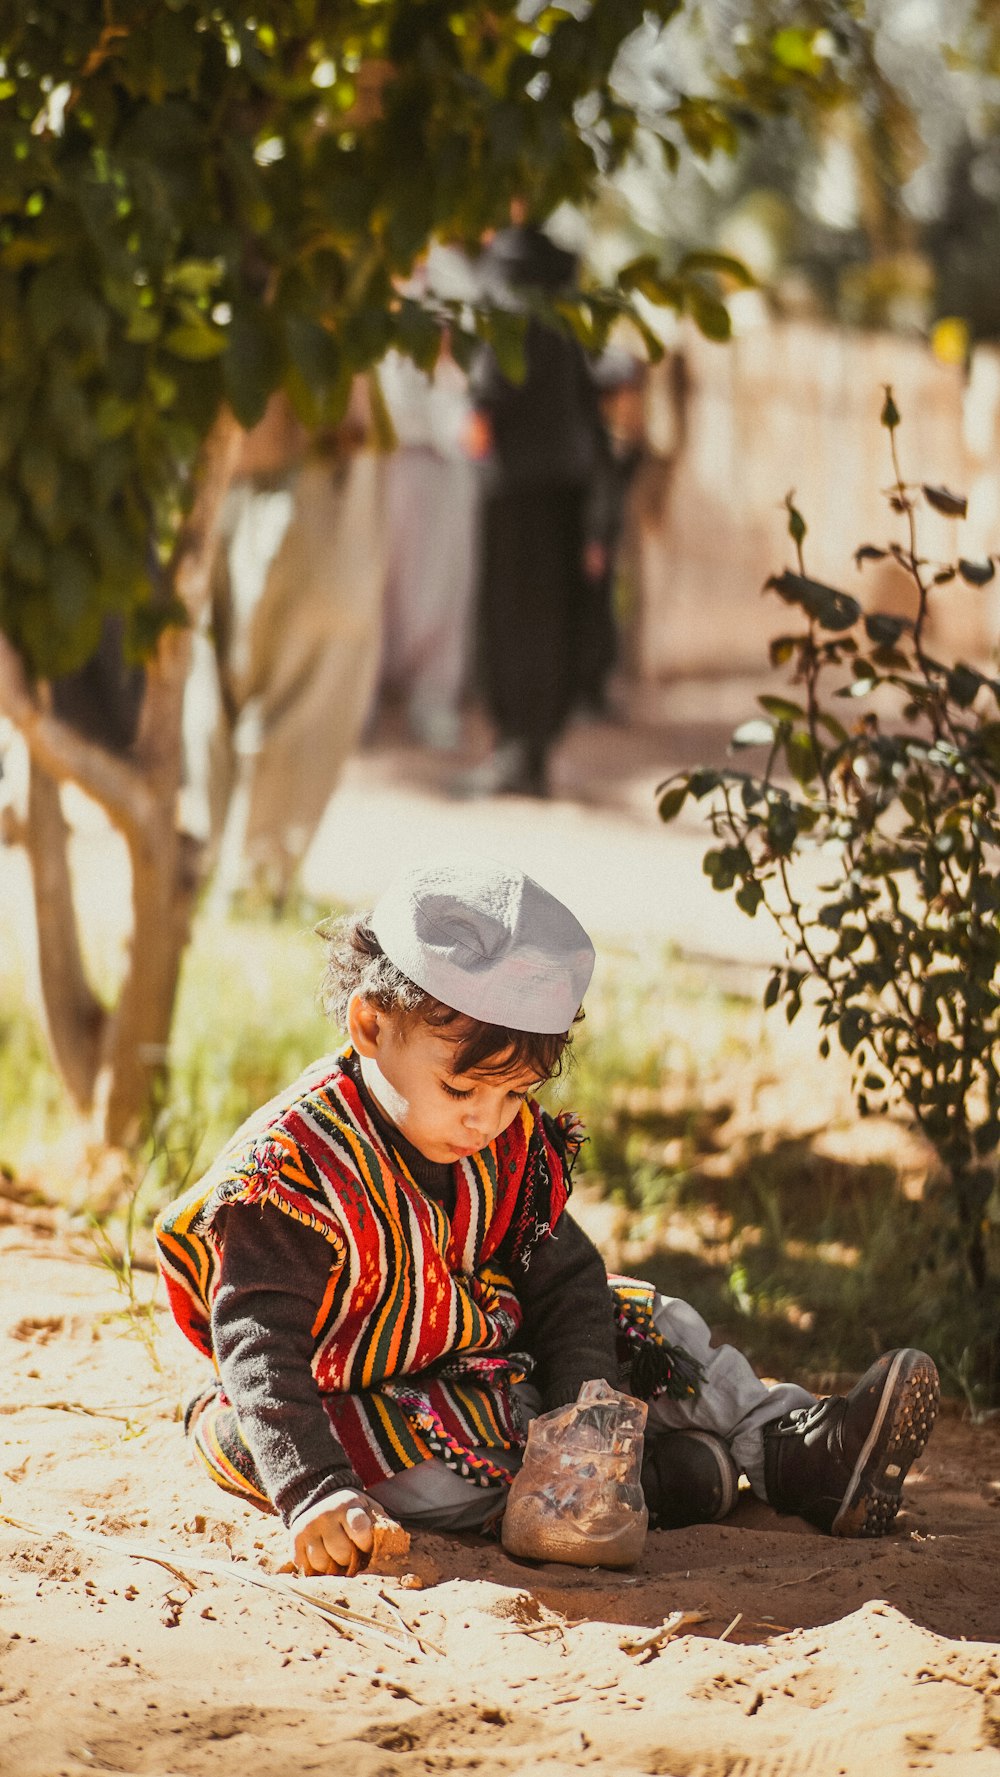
597	842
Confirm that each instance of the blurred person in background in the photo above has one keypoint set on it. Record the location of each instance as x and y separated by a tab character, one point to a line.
536	441
431	499
620	381
283	683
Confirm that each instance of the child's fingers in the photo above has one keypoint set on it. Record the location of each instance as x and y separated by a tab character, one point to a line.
359	1528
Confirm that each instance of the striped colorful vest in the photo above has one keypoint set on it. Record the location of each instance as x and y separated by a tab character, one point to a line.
411	1290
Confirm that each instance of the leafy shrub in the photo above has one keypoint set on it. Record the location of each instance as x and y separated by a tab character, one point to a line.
900	943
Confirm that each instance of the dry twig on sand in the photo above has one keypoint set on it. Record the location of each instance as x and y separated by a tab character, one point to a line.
672	1625
345	1621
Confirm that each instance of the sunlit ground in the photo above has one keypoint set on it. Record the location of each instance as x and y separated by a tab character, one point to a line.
725	1161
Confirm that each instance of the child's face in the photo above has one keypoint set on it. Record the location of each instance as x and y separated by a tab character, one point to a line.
408	1066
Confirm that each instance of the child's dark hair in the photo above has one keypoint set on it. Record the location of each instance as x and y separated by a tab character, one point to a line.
356	963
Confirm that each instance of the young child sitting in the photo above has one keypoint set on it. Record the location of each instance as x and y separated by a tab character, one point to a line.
383	1270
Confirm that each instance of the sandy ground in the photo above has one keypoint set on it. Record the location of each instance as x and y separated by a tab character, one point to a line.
122	1648
134	1639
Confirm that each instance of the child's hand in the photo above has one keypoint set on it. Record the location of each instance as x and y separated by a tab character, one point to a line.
334	1534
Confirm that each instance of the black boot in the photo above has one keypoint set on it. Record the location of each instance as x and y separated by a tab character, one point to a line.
688	1477
841	1463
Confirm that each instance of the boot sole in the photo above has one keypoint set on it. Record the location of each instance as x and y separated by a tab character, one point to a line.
902	1426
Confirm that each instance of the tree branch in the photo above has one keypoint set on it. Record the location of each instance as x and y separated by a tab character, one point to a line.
191	563
57	748
189	576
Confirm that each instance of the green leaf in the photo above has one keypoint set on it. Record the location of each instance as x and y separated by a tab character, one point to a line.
800	752
10	517
318	368
703	781
723	264
196	343
851	939
796	49
830	608
710	316
38	473
195	277
418	334
782	708
976	573
672	801
942	500
852	1028
883	628
868	552
505	333
964	685
646	276
143	327
831	915
251	369
749	896
51	300
782	648
834	728
782	829
114	416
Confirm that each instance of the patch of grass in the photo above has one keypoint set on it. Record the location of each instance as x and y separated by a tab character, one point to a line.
34	1104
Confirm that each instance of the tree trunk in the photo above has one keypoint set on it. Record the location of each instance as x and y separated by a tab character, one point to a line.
133	1060
113	1062
74	1017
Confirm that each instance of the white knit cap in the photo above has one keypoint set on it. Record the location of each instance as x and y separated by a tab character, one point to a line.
487	941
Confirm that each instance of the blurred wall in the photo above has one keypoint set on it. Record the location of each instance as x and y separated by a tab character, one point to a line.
795	406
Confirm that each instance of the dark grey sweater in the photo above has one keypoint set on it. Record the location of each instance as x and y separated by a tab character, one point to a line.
274	1274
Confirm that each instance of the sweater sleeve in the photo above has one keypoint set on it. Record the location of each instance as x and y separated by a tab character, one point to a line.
568	1324
274	1273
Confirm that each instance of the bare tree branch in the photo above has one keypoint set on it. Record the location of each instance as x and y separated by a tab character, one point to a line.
67	756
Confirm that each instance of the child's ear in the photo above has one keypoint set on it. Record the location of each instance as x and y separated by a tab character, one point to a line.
363	1024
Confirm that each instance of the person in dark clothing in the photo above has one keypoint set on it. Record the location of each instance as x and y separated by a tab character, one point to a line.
538	441
383	1269
618	378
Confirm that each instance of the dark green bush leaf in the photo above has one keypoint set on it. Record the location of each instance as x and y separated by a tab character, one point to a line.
750	896
710	316
977	573
831	609
802	756
943	500
195	343
884	629
852	1027
964	685
782	708
672	801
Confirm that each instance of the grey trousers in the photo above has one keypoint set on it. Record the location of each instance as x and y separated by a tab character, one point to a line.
734	1404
